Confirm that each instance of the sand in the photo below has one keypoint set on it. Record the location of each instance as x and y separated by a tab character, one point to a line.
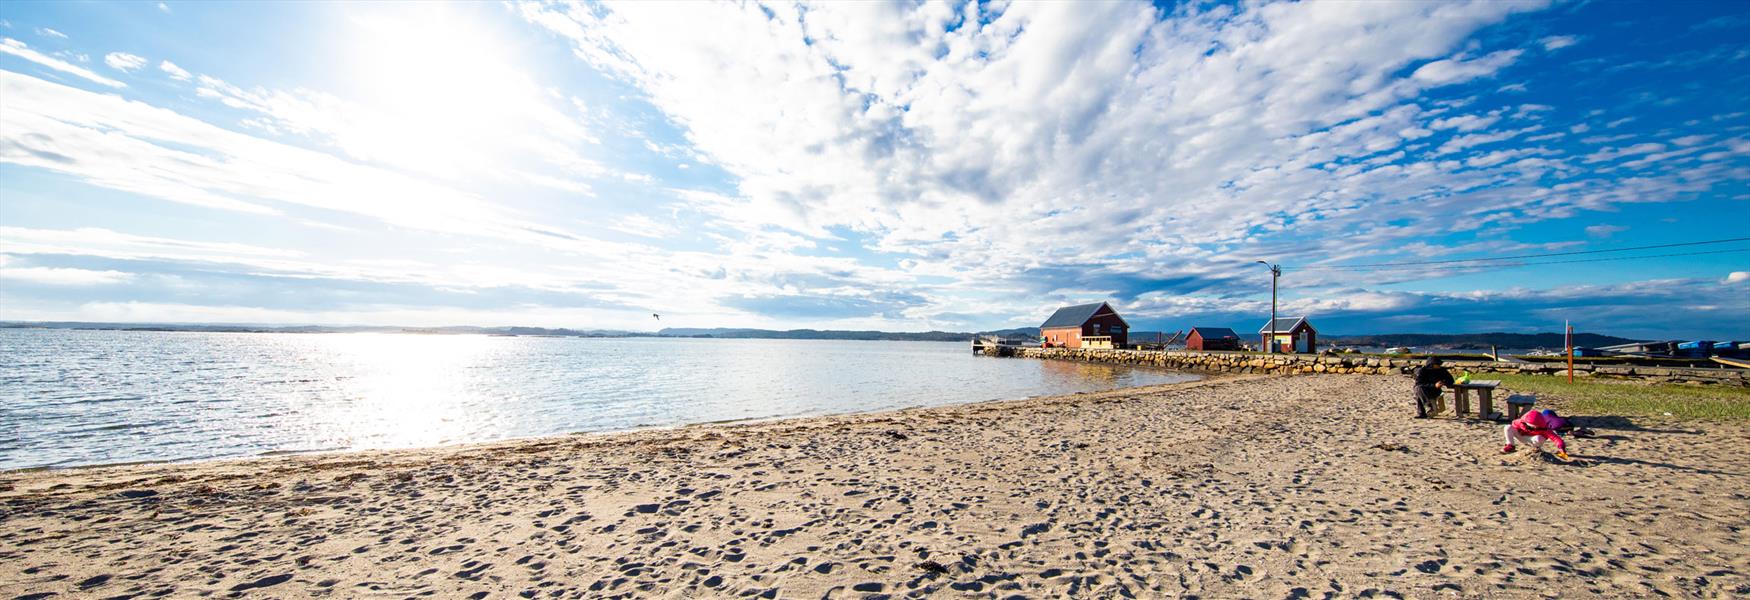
1281	487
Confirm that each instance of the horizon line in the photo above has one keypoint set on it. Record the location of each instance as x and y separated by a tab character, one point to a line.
657	332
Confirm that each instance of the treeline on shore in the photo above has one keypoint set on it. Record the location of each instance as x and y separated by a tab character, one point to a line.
1479	340
718	332
1458	340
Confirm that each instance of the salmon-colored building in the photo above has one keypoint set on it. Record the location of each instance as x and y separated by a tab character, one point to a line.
1086	326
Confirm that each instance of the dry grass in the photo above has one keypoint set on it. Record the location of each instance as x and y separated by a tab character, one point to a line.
1627	398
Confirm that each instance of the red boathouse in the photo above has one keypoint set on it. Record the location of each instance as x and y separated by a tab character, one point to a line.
1086	326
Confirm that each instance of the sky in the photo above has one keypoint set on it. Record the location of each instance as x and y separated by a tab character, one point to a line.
903	167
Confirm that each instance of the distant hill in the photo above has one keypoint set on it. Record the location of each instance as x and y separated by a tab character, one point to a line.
832	334
1425	340
720	332
1476	340
525	331
196	327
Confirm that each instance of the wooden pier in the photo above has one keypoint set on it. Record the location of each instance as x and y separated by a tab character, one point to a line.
995	346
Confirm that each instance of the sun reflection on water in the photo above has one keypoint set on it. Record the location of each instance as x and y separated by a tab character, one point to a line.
400	390
96	397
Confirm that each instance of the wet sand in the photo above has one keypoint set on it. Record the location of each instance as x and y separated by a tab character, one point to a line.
1280	487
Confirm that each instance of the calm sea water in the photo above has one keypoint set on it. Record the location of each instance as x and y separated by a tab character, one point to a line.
99	397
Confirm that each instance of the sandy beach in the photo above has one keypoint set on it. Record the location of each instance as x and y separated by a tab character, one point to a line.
1316	486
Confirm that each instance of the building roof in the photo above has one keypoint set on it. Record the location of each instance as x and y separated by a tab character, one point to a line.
1215	333
1076	316
1285	325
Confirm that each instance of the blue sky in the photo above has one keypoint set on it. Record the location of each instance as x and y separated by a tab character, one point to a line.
875	166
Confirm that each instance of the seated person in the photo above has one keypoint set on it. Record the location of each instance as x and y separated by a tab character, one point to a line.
1430	377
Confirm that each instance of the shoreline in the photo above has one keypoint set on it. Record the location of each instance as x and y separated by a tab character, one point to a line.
571	436
276	454
1235	485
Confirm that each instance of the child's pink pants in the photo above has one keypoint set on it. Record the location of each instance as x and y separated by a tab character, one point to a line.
1515	438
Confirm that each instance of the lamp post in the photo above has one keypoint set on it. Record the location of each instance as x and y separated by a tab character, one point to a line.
1275	272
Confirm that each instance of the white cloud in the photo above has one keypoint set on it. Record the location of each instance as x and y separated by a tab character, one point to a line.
1737	277
1557	42
1100	148
1453	70
64	276
411	316
640	278
108	141
92	241
19	49
1056	136
175	72
122	61
1465	142
253	260
433	93
1604	231
1606	139
644	226
129	146
1465	122
1497	157
1610	154
50	33
163	7
1046	108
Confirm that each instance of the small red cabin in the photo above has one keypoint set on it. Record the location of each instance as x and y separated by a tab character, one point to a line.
1292	335
1086	326
1212	338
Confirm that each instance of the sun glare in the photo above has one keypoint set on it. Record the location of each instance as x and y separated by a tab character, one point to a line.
440	93
408	390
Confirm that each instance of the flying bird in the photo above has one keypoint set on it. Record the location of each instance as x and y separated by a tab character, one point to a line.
657	316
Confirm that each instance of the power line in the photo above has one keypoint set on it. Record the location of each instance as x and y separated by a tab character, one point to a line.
1525	256
1555	262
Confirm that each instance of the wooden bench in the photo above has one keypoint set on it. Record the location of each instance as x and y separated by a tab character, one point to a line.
1518	405
1485	389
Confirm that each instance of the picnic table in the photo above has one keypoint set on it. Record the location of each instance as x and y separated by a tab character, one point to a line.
1485	389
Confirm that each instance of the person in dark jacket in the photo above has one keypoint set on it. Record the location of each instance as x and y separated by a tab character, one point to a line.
1430	377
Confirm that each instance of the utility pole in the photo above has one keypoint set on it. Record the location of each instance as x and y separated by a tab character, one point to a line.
1275	273
1569	342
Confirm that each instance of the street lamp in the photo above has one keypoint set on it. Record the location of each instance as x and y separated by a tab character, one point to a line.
1275	272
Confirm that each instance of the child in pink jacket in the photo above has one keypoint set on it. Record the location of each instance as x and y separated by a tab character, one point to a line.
1535	427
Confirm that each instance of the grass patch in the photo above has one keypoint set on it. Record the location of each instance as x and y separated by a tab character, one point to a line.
1628	398
1644	361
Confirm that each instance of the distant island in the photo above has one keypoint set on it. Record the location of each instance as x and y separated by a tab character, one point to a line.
835	334
1479	341
1455	341
231	328
1444	341
719	332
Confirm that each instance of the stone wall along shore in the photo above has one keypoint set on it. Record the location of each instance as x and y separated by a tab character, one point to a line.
1242	362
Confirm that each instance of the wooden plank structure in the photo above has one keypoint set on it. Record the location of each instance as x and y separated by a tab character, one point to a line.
1518	405
1730	362
991	345
1485	389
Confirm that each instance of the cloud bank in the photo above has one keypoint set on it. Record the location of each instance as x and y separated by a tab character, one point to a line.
890	165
